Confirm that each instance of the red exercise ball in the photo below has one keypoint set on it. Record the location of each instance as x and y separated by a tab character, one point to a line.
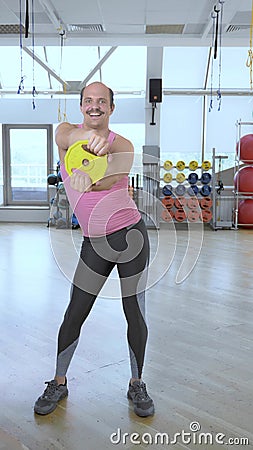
243	180
245	148
245	211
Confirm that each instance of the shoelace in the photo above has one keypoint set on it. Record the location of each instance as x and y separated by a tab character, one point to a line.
141	392
50	389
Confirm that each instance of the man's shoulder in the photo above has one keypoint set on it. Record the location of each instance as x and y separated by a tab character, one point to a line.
66	126
121	143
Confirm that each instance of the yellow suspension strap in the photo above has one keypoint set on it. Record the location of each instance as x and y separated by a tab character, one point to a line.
65	119
249	62
62	117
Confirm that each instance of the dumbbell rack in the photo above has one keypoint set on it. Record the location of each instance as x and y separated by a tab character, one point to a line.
201	211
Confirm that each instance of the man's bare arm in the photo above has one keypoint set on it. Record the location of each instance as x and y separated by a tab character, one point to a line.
120	153
120	161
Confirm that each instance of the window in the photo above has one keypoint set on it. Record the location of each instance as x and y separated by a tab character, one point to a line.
27	162
184	67
181	132
221	127
182	124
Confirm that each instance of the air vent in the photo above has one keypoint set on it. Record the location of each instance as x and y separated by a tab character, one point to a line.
165	29
11	29
236	28
85	28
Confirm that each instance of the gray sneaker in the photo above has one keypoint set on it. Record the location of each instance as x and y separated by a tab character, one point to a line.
143	404
48	401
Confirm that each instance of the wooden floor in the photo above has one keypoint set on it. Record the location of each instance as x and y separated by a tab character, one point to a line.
199	365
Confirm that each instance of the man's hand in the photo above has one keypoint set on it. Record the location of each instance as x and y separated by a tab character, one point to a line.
80	181
98	145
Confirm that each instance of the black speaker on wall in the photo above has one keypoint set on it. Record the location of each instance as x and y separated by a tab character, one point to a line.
155	90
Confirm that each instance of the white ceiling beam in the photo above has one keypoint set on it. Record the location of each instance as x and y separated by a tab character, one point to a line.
225	92
207	28
49	76
50	92
52	13
47	68
97	67
186	92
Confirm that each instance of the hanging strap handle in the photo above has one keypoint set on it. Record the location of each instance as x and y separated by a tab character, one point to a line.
249	62
216	32
26	18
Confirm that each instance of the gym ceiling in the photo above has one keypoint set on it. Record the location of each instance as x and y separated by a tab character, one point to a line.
132	22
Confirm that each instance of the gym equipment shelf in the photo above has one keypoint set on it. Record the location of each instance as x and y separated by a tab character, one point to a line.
239	164
183	201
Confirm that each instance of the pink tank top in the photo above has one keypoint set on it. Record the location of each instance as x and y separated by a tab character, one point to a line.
102	212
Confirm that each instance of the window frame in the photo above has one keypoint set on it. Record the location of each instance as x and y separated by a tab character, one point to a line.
7	188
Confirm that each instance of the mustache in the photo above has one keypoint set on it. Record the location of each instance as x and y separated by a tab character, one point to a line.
94	110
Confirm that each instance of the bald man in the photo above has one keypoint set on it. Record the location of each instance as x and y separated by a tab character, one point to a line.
114	234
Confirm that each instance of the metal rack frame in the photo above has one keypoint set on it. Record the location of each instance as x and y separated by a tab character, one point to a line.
219	200
237	194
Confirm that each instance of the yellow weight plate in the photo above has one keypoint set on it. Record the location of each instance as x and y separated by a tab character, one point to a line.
180	165
79	158
193	165
167	178
206	165
180	177
168	165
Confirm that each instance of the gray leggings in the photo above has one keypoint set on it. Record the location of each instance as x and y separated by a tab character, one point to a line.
128	249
